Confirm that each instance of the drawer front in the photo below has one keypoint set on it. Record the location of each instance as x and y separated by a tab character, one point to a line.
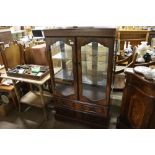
83	107
64	103
94	109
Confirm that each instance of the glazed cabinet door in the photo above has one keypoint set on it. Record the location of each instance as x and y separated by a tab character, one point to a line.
62	59
95	61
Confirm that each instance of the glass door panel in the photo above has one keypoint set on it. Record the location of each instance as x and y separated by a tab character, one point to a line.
63	68
94	61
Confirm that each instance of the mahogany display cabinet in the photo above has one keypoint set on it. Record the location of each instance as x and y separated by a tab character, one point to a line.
81	64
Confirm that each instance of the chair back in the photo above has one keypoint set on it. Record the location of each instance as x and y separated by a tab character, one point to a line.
36	55
1	47
12	55
28	57
134	57
129	61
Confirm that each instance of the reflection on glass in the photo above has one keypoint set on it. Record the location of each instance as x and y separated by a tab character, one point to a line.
94	58
63	68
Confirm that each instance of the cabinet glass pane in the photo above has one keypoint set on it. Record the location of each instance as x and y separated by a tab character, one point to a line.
94	58
63	68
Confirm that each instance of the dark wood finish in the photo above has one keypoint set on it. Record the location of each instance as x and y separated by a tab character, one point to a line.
39	54
28	56
138	103
35	53
76	106
92	120
1	47
85	32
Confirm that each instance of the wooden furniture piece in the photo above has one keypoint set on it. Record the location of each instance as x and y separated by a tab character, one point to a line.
120	66
147	64
8	98
5	36
33	98
28	57
12	55
39	54
1	47
7	94
36	55
81	62
133	36
9	90
128	61
138	102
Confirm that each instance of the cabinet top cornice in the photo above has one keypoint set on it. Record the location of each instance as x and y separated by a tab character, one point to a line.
81	31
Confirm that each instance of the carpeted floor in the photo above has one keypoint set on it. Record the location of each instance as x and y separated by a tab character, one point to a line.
33	118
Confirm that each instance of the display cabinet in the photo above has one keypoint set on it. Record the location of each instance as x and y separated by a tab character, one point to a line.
81	63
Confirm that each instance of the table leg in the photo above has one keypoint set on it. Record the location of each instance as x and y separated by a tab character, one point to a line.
42	100
17	94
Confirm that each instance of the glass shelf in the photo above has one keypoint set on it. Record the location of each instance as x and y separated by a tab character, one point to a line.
93	64
94	59
94	92
63	68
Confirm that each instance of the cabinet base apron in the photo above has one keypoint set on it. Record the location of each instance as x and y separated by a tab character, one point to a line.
83	112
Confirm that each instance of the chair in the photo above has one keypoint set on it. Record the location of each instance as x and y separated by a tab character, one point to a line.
36	54
12	55
7	93
120	66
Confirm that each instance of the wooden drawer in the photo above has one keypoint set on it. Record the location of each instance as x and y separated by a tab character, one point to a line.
97	110
65	103
83	107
